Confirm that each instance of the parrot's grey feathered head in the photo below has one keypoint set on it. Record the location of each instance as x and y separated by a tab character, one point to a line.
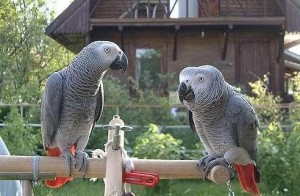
101	56
201	85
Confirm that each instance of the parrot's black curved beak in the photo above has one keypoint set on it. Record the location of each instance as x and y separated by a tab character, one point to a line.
185	93
121	62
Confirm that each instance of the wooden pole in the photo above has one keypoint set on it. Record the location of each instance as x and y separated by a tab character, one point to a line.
113	178
114	168
27	189
166	169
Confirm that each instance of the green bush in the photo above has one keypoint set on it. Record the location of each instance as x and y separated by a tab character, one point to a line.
265	103
155	145
279	159
278	148
20	139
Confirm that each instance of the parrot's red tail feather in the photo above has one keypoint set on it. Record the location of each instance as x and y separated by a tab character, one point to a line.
246	176
58	181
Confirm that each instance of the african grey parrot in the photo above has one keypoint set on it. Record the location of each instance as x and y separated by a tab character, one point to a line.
225	121
73	102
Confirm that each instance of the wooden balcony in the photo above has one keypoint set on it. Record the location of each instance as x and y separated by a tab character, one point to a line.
188	12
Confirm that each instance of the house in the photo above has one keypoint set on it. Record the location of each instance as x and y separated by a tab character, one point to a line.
245	39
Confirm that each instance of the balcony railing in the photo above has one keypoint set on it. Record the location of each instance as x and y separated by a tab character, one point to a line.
196	8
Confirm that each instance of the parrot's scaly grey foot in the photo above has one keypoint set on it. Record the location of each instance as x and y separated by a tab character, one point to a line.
204	161
215	160
81	161
211	160
70	159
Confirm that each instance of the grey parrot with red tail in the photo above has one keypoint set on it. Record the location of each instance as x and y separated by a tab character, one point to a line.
73	102
225	121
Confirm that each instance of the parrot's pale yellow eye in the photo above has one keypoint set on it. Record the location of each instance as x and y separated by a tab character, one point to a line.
201	79
107	50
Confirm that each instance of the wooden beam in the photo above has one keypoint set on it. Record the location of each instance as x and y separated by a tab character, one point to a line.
292	44
280	47
177	27
142	22
94	8
282	9
241	6
226	36
120	28
291	56
166	169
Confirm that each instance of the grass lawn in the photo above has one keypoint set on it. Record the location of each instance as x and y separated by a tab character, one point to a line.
85	187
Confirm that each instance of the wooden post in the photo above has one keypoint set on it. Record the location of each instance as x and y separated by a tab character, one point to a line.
27	189
114	168
113	177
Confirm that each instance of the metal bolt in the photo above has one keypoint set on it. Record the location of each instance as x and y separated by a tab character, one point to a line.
116	134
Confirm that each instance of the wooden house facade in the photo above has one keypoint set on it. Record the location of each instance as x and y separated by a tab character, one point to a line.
242	38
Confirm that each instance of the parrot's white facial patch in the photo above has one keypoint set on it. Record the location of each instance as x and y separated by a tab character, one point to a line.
103	53
201	79
109	52
203	82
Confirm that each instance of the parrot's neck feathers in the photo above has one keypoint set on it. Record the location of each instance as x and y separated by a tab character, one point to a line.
214	110
82	81
217	102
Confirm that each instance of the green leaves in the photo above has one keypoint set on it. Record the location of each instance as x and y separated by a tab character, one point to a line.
27	55
20	138
155	145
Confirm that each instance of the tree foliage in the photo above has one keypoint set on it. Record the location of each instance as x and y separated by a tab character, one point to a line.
27	55
19	137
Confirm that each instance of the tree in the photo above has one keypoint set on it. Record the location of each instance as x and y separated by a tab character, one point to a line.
27	55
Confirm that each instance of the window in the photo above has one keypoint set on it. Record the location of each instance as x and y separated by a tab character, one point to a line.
148	67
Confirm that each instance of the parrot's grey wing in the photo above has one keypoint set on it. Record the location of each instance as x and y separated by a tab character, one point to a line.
191	122
51	107
243	122
100	103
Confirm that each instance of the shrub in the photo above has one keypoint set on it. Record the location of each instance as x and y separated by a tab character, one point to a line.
279	159
20	139
278	148
265	103
155	145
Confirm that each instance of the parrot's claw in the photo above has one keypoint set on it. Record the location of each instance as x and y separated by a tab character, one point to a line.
81	161
70	159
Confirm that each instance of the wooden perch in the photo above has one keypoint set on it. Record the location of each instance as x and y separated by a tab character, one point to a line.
21	167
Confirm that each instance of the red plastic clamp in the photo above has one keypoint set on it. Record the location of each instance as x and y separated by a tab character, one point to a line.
140	178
